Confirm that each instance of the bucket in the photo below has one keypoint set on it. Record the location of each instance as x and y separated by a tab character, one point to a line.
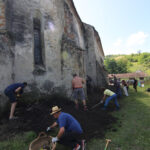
42	142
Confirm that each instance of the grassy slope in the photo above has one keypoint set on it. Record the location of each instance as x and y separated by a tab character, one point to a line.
135	66
133	133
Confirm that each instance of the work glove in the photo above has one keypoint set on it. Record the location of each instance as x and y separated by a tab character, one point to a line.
48	129
54	139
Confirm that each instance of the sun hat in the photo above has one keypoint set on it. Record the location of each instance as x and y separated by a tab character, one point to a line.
55	109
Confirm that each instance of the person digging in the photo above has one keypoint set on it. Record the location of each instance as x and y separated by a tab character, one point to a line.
14	91
111	96
78	92
70	131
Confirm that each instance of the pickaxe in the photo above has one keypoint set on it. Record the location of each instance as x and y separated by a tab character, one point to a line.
107	142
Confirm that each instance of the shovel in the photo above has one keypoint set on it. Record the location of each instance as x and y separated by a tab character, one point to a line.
101	102
107	142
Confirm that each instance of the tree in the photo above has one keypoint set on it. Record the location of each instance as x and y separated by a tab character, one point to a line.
113	66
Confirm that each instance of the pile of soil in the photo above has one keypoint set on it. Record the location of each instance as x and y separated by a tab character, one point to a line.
36	117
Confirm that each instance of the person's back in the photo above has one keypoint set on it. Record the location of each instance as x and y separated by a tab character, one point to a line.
108	92
14	91
13	87
111	95
77	82
69	123
78	92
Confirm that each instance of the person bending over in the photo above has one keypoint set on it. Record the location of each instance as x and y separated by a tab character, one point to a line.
110	96
12	92
70	131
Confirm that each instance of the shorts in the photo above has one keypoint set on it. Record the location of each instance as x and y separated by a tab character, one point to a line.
78	93
11	96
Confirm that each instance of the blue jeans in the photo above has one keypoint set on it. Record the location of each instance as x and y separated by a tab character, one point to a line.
110	98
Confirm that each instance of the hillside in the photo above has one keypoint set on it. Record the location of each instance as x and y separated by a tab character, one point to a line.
128	63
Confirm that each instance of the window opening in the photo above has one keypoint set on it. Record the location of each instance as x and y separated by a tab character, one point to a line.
37	42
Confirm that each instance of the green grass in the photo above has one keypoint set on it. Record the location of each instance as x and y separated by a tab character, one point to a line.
132	131
19	142
133	127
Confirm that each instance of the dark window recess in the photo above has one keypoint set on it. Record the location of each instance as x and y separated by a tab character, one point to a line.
37	42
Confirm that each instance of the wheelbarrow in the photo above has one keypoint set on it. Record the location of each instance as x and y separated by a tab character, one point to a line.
42	142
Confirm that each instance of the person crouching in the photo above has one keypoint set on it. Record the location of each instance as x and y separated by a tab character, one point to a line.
70	131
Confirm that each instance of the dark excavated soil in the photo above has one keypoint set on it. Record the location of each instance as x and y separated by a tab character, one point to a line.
36	117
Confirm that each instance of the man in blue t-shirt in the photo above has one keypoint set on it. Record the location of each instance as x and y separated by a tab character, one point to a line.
12	92
70	130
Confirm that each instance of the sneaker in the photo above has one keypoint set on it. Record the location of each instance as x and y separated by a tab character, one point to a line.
13	118
77	147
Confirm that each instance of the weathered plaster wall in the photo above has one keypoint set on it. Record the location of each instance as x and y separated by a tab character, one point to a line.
68	46
90	56
100	71
21	15
94	57
72	47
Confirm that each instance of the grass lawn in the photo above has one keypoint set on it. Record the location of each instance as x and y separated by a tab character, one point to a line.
132	132
19	142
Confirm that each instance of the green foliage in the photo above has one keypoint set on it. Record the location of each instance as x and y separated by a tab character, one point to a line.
145	59
110	65
116	66
128	63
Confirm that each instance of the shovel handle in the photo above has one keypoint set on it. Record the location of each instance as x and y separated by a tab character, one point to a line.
107	142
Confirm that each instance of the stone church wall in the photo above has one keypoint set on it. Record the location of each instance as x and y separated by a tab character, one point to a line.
44	42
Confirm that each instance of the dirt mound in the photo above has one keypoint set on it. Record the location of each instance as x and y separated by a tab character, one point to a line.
36	117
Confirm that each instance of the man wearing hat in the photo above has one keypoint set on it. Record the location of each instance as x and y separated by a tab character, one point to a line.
70	130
